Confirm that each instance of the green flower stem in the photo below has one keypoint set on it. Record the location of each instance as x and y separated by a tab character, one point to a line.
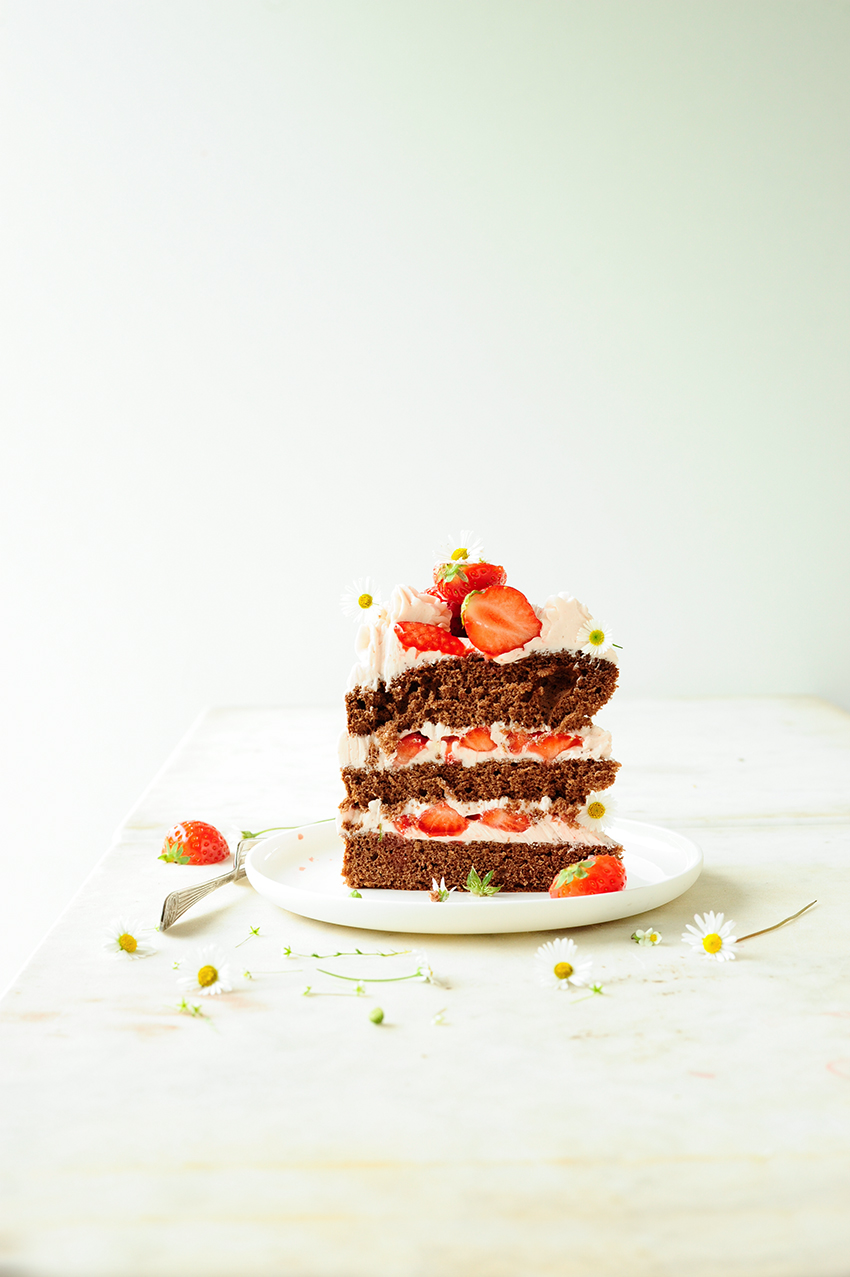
347	953
765	930
359	979
253	931
273	829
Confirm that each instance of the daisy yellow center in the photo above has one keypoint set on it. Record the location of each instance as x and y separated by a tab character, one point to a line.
563	970
654	937
460	553
596	637
128	943
207	976
365	601
712	942
596	811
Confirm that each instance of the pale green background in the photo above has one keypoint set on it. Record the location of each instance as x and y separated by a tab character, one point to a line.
294	289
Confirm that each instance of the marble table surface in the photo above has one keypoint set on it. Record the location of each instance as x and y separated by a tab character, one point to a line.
693	1118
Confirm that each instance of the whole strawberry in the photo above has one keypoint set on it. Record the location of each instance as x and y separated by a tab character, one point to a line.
194	843
454	580
591	877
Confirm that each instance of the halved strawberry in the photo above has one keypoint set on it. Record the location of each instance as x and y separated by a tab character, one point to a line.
589	877
499	619
551	746
194	842
441	821
428	638
408	747
513	822
455	580
517	741
479	739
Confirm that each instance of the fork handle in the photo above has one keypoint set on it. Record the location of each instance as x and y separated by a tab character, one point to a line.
177	902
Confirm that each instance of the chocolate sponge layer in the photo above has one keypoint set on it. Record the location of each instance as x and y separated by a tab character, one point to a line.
491	778
549	690
410	864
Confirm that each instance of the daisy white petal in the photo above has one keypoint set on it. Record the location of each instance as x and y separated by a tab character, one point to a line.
360	598
557	965
211	973
712	937
461	549
439	891
650	936
598	811
124	939
594	639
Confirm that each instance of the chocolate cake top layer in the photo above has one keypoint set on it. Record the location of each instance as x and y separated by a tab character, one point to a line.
546	690
491	778
409	865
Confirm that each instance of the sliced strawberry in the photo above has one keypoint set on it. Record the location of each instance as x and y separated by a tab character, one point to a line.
404	823
428	638
449	742
517	741
590	877
499	619
551	746
441	821
479	739
455	580
513	822
408	747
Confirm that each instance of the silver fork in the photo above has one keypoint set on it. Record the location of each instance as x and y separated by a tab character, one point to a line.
176	904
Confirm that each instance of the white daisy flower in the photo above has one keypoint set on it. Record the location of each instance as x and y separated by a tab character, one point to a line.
556	965
598	812
650	936
439	890
360	598
712	937
462	549
124	939
593	638
423	968
210	969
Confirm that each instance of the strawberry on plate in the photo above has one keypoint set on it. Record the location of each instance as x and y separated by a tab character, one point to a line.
455	580
408	747
499	619
589	877
512	822
479	739
194	843
428	638
441	821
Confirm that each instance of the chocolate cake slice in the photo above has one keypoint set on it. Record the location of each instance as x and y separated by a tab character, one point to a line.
470	739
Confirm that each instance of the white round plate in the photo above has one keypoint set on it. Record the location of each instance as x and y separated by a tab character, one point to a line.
300	870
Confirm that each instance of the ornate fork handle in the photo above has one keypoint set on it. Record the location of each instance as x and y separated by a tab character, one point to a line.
176	904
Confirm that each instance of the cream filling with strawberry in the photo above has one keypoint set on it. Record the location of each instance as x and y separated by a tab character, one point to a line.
542	827
381	657
437	743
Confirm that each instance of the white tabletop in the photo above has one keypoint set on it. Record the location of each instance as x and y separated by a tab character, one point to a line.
695	1118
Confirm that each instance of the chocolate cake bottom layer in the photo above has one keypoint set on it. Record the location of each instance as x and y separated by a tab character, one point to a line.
550	690
496	778
410	864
